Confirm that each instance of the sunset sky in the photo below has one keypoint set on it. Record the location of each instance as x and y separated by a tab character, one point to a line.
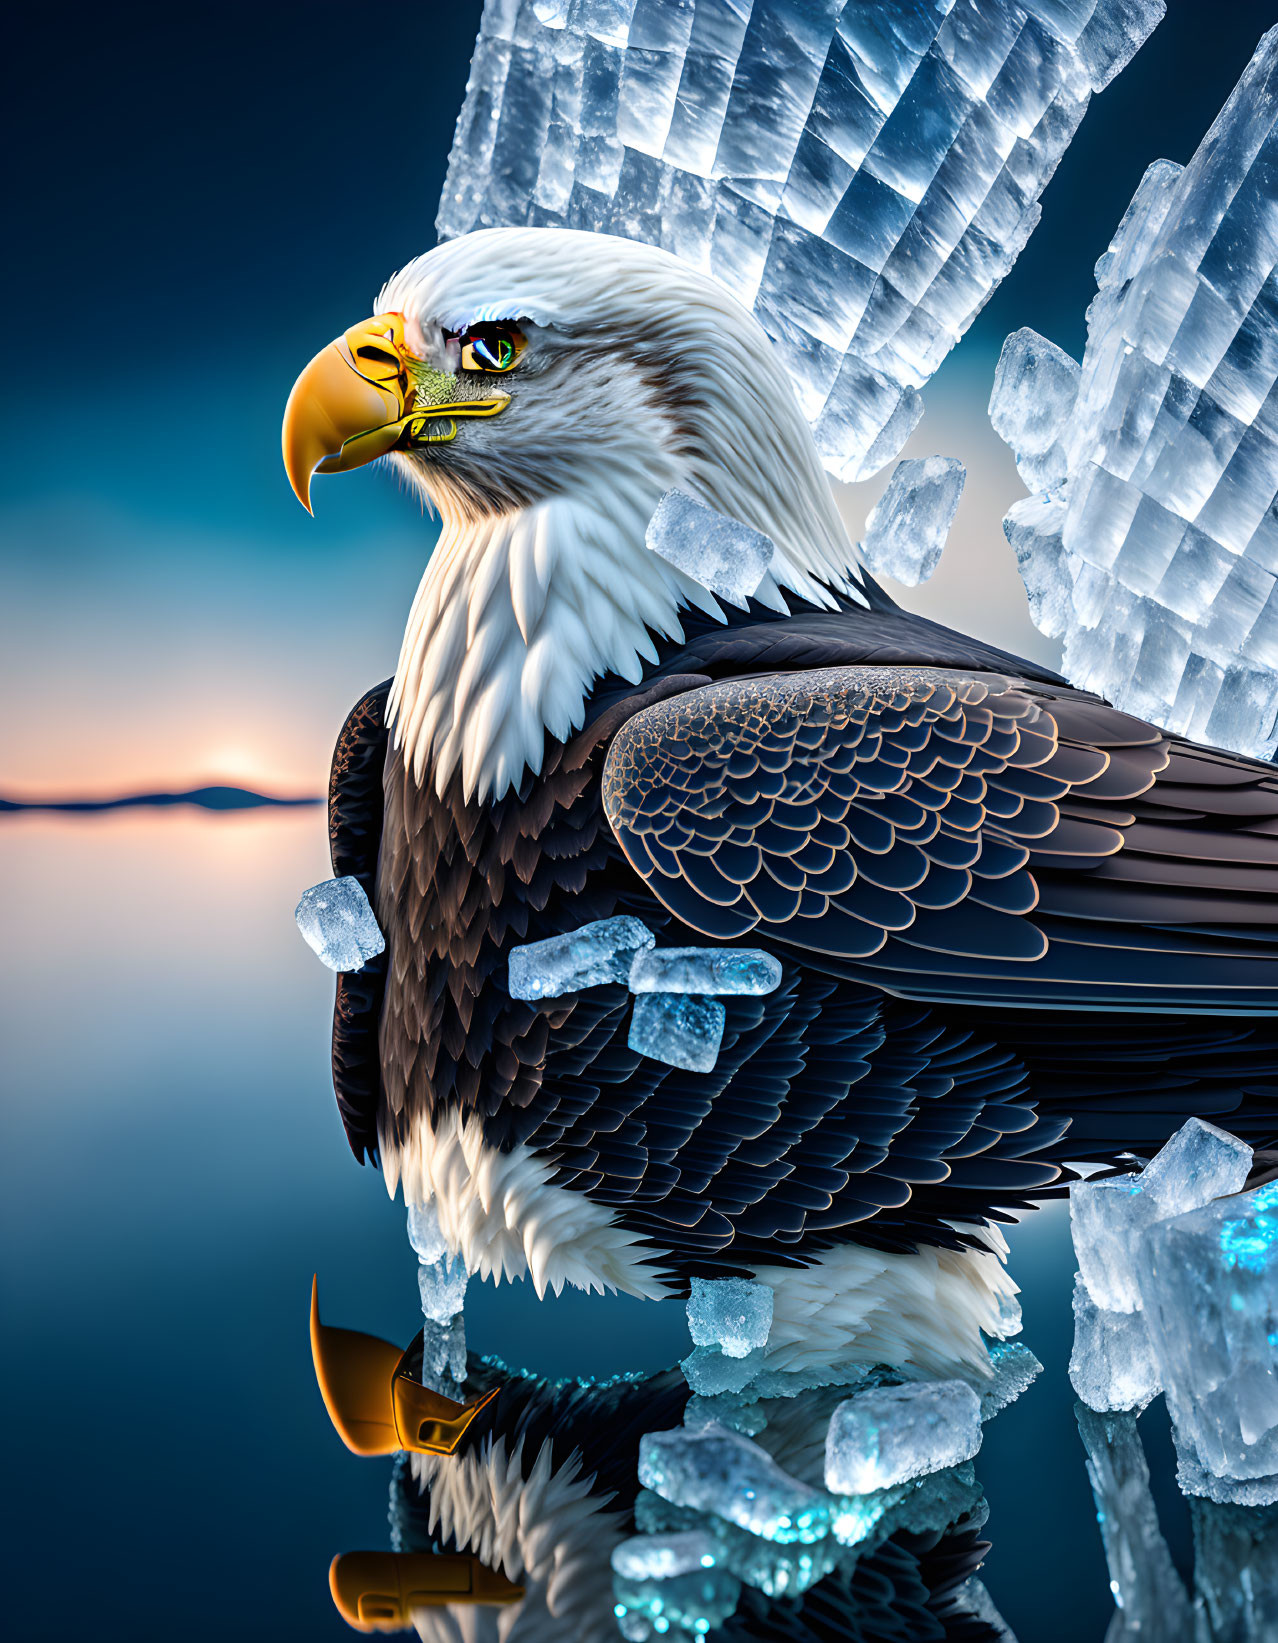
171	615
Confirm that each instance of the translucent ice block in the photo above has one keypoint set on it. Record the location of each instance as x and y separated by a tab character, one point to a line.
716	1470
909	523
732	1314
591	956
1199	1163
681	1029
891	1433
710	1372
1156	561
704	970
860	176
1112	1365
338	924
720	553
1209	1282
1151	1602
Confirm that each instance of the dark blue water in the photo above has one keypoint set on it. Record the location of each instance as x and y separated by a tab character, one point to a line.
173	1174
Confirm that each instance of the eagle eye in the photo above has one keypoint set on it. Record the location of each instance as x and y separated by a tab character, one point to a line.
491	347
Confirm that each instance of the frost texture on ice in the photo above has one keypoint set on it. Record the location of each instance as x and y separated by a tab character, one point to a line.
860	176
681	1029
1235	1573
710	1372
732	1314
1035	390
705	970
338	925
713	1469
892	1433
441	1283
908	525
1151	1605
720	553
1153	548
1015	1368
1199	1163
1112	1364
1209	1283
591	956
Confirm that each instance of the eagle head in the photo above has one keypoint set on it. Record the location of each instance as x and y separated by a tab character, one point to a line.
541	389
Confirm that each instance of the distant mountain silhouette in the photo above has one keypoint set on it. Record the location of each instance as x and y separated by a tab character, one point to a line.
203	798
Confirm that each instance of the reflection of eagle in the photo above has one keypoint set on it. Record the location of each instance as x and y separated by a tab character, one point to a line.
1003	908
543	1490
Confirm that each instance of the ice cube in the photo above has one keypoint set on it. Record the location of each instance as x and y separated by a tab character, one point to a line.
720	553
1105	1218
1015	1368
1151	1600
716	1470
1209	1283
704	970
424	1233
891	1433
1199	1163
1112	1364
338	924
1035	387
733	1314
591	956
709	1372
681	1029
908	525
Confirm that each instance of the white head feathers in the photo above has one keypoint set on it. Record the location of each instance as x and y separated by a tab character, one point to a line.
641	375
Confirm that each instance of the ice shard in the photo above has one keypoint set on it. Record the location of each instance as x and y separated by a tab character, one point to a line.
338	924
908	525
591	956
1152	548
720	553
860	176
441	1283
1112	1365
705	970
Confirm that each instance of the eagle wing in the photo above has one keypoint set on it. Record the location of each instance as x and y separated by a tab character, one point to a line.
960	836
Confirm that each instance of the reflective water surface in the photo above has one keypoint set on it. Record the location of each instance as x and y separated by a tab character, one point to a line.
174	1174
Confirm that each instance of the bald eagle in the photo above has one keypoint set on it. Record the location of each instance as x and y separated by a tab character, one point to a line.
1017	927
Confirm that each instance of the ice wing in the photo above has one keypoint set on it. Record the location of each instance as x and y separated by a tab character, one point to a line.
954	836
861	175
1152	548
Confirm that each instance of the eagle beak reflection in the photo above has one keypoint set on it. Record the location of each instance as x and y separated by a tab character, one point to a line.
363	396
375	1405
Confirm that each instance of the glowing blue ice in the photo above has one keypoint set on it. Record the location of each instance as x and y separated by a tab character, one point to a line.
889	1434
716	1470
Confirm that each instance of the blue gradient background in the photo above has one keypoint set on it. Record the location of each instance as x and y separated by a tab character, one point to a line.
204	197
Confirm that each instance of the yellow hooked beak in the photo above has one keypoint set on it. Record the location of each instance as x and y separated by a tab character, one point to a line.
360	397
